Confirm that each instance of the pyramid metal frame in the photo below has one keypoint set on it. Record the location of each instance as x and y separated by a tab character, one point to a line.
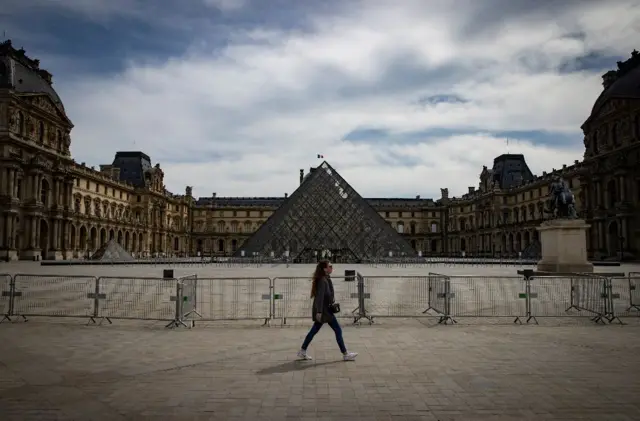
325	213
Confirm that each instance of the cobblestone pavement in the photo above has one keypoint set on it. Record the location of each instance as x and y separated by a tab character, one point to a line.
406	371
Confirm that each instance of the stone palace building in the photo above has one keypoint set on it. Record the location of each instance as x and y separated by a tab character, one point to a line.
52	207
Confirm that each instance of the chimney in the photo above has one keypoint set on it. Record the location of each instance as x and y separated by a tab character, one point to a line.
418	197
213	195
301	175
471	189
286	195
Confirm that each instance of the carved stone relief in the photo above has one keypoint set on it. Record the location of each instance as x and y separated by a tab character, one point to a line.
31	127
44	104
14	122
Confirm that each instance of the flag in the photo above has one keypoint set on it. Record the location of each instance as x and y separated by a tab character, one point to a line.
320	156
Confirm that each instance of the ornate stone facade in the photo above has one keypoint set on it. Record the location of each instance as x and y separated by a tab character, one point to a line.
51	207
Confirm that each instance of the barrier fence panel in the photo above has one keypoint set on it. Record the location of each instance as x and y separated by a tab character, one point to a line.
400	296
136	298
624	296
292	297
439	296
6	297
53	296
188	307
634	292
233	298
486	296
575	296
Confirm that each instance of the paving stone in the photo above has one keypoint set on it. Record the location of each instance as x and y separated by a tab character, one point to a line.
61	371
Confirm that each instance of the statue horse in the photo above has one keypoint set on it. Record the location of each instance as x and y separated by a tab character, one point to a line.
561	203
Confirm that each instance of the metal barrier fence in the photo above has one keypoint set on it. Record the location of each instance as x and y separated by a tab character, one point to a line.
292	297
185	300
6	296
217	299
634	291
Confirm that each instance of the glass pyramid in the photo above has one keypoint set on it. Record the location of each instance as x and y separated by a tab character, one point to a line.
325	218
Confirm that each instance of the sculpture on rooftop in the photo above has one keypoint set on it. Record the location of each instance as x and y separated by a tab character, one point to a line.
561	201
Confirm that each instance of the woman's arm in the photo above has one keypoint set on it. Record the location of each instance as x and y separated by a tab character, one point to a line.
321	287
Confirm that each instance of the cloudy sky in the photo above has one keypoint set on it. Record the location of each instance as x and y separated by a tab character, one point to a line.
402	97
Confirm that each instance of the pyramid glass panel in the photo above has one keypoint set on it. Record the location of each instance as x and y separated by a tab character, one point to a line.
325	216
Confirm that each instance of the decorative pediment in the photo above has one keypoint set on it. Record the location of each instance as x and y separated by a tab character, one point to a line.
44	103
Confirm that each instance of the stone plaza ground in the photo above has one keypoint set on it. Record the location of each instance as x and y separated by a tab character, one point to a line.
408	368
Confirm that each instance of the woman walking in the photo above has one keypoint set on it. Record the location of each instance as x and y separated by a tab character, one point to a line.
323	298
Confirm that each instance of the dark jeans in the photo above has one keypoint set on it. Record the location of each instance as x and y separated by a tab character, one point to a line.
333	323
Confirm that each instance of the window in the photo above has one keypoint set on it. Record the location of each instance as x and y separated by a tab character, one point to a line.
434	227
41	132
44	192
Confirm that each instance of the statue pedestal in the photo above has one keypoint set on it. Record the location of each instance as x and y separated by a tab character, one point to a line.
564	246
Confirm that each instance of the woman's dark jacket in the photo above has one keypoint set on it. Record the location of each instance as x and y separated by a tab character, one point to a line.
323	299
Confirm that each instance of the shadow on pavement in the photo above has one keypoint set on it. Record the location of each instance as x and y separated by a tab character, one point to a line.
297	365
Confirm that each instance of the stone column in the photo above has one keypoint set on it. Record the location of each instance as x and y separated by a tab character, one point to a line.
4	181
67	234
69	194
34	186
33	232
56	237
4	223
11	182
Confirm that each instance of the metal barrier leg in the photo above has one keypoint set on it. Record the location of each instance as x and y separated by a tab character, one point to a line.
177	320
272	304
529	296
574	290
447	295
361	309
609	308
632	305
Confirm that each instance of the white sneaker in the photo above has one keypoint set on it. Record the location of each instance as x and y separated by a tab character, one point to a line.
303	355
350	356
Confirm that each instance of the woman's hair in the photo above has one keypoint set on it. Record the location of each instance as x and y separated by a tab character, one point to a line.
317	274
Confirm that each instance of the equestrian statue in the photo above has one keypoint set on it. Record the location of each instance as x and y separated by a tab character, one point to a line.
561	202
